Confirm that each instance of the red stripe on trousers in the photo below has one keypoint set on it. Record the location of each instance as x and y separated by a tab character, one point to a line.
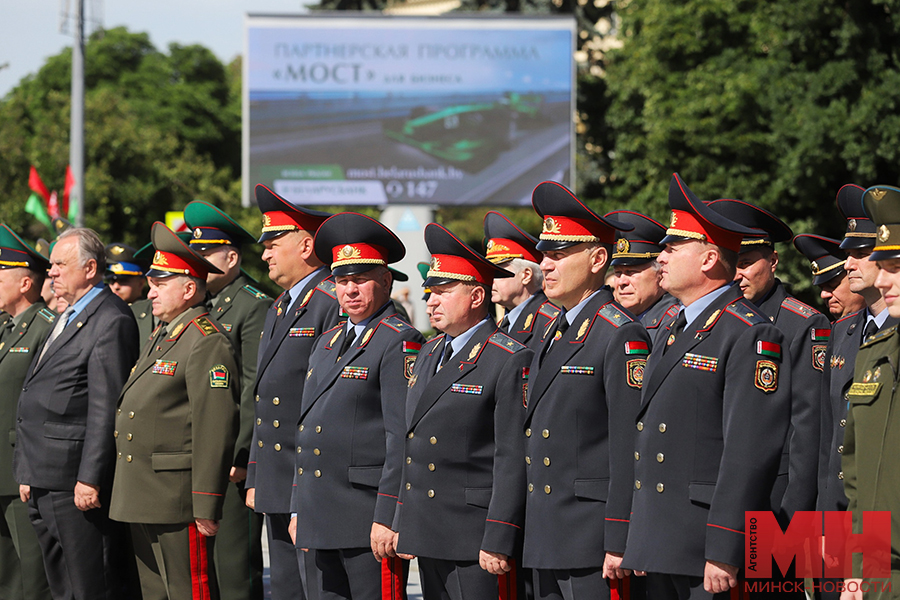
393	587
620	589
508	584
199	565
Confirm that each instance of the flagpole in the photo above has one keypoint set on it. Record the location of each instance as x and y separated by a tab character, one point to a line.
76	133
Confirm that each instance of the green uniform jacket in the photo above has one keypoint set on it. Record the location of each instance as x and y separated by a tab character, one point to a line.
241	310
17	348
176	425
872	436
143	314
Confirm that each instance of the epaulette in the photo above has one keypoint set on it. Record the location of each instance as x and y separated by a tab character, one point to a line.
613	315
795	306
501	340
396	323
438	340
205	326
254	292
878	336
47	314
745	313
327	286
549	310
851	315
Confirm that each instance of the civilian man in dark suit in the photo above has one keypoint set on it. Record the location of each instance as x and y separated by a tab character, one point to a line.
461	506
527	309
706	450
300	315
350	434
584	392
26	323
65	451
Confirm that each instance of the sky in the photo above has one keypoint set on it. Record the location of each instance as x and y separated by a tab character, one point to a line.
30	29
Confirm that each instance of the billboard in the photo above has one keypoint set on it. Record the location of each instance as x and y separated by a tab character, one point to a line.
407	110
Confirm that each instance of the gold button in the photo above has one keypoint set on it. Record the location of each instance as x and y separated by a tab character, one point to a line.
660	457
640	425
277	447
317	473
129	437
120	455
530	487
545	433
276	401
128	458
637	456
257	397
408	486
840	449
316	451
259	421
660	488
637	484
119	411
527	460
528	432
843	422
431	466
546	489
662	427
131	415
408	460
276	423
301	428
300	471
546	461
299	449
260	443
431	493
433	440
411	435
841	475
116	433
318	429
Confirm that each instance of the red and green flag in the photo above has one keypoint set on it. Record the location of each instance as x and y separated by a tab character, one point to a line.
44	205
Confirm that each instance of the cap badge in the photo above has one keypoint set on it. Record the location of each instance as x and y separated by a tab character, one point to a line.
267	220
116	267
117	250
814	267
883	233
550	225
851	225
197	233
490	244
622	246
674	219
349	251
878	194
435	263
160	258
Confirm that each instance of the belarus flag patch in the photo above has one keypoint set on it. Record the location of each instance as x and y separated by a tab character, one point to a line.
768	349
637	348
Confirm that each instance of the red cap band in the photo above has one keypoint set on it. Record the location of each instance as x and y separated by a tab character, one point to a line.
451	266
687	225
571	229
172	263
277	220
358	254
501	250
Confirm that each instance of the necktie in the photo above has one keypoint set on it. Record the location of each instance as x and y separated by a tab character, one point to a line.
7	329
504	324
281	308
348	341
448	352
562	324
160	336
870	330
677	328
57	330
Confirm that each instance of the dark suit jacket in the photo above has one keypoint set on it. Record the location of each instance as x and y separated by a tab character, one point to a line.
533	320
17	348
281	372
806	332
351	432
463	476
715	408
579	437
67	407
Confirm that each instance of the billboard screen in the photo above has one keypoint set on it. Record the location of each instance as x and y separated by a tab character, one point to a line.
407	110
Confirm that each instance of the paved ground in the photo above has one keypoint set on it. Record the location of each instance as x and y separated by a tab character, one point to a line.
414	590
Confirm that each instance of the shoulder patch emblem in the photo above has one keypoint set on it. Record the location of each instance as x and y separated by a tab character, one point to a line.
745	313
410	347
205	325
219	377
635	369
766	378
409	361
254	292
327	286
637	347
47	314
613	315
818	356
768	349
507	343
795	306
396	323
819	335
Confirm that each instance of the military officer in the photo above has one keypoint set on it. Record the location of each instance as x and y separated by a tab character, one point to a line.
240	309
461	505
706	452
143	308
300	315
587	369
175	429
873	431
124	274
24	325
636	272
527	310
806	332
347	475
847	335
827	264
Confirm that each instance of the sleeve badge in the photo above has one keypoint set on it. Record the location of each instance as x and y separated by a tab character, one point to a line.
635	369
766	378
219	377
818	356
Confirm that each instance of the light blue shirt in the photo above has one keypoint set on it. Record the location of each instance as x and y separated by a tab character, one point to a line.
513	315
82	302
879	319
698	306
571	315
298	287
359	327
